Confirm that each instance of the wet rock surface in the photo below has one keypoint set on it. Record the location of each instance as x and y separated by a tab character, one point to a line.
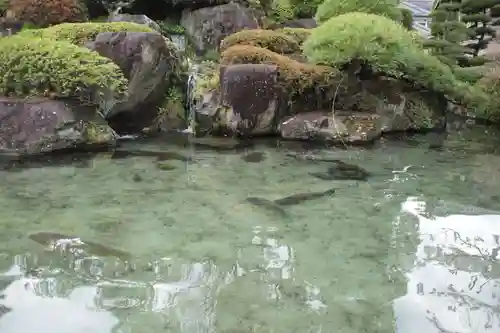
151	65
40	126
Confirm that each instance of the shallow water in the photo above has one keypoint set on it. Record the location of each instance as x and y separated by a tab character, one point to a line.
412	249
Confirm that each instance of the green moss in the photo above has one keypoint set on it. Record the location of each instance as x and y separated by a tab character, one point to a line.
79	33
97	133
383	46
294	76
332	8
44	67
298	34
272	40
282	10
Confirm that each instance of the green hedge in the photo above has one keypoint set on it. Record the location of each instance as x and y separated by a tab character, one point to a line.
332	8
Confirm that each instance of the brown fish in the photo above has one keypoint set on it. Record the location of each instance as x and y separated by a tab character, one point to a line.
268	205
295	199
51	238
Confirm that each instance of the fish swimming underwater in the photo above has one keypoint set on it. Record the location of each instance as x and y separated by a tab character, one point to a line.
343	171
54	239
295	199
276	206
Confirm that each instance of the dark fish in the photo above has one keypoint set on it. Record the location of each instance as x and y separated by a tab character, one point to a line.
301	197
159	155
267	204
50	238
254	157
343	171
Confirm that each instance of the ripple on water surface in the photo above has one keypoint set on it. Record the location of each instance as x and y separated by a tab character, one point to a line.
147	242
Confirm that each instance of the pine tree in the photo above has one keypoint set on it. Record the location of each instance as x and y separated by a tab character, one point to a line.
447	32
480	16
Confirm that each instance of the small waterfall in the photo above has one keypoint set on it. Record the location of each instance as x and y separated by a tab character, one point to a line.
179	42
190	96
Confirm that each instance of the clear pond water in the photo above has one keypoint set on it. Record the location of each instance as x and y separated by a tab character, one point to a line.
412	249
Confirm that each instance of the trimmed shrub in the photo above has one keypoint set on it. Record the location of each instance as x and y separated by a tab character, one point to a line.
294	76
43	13
298	34
44	67
272	40
383	46
332	8
490	84
79	33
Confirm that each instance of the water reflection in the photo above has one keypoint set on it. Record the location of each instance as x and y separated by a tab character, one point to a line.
454	285
178	296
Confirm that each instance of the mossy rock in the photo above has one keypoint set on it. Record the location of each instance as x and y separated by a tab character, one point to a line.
376	44
79	33
56	69
296	77
298	34
272	40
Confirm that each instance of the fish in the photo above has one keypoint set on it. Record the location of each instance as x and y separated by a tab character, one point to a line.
254	157
343	171
268	205
159	155
295	199
53	239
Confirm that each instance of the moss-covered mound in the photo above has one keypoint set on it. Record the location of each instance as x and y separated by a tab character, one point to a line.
381	45
44	67
332	8
296	77
298	34
272	40
79	33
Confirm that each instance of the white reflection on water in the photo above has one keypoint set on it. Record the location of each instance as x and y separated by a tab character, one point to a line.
454	286
34	313
80	296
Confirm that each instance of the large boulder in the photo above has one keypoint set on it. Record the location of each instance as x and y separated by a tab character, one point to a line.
37	126
245	102
152	66
207	27
388	106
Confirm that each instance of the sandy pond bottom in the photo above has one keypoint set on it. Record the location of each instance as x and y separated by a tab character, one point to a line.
412	249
